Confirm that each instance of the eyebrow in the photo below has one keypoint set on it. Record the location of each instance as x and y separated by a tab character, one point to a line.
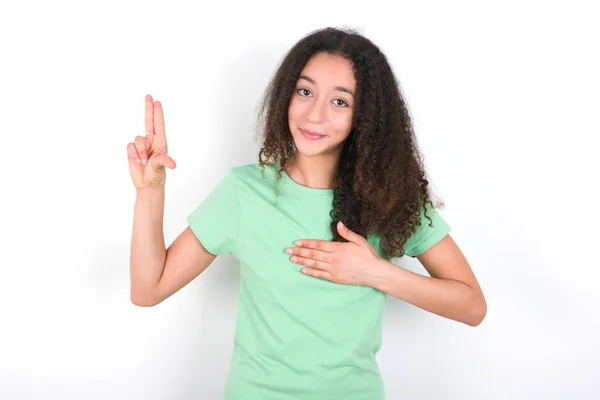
339	88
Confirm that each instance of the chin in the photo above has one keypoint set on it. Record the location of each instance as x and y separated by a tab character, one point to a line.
307	148
307	152
312	151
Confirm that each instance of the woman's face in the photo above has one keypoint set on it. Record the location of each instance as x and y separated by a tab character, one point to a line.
321	107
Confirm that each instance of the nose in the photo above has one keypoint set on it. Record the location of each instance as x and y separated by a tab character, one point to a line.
316	111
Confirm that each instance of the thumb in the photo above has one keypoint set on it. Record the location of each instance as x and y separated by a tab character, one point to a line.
348	234
159	161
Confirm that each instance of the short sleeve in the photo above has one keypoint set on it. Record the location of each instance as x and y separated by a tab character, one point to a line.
426	236
215	221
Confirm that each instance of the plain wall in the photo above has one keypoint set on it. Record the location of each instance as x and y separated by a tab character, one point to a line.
504	97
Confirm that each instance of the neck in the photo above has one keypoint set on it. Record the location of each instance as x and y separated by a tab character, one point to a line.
313	172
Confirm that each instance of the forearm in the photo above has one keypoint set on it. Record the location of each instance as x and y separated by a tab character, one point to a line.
148	251
445	297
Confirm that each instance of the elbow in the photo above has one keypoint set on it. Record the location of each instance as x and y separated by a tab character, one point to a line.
143	303
477	312
142	300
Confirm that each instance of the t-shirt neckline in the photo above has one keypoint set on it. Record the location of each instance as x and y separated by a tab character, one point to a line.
305	189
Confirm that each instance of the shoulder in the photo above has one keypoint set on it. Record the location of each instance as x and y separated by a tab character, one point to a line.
244	169
253	173
432	229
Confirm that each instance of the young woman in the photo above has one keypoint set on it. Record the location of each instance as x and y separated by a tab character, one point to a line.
338	191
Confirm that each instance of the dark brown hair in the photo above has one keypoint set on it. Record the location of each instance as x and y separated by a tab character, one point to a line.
381	186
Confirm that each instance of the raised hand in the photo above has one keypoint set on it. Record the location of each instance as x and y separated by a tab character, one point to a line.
147	155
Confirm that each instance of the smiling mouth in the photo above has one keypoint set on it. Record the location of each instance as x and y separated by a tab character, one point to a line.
311	135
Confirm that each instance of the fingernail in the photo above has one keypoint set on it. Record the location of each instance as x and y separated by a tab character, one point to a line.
137	160
144	161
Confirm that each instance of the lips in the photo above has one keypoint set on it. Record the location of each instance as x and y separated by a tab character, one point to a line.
311	135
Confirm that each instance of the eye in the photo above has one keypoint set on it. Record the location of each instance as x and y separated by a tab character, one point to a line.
343	103
303	92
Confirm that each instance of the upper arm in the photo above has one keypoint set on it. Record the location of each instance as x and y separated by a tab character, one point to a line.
212	230
445	260
437	251
186	259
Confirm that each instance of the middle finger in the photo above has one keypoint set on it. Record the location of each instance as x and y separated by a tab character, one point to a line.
309	253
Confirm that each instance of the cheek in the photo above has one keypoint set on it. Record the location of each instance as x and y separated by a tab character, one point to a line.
295	105
293	112
343	123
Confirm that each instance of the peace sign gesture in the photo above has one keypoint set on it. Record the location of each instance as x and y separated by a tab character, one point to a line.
147	155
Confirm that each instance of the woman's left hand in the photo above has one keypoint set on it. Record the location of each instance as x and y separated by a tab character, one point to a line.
355	262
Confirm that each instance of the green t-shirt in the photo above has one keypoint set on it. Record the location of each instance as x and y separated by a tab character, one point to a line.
297	337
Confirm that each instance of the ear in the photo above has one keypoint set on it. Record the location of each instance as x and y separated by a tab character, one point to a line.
346	233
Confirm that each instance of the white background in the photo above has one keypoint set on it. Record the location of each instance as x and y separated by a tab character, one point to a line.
505	99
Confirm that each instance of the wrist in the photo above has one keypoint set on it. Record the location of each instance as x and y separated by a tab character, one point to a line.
150	191
379	274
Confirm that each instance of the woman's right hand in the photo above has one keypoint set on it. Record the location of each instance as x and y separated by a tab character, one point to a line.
147	155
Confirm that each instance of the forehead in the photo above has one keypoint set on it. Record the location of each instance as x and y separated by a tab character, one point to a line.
330	70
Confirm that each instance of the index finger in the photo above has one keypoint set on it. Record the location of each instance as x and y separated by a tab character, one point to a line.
149	117
323	245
